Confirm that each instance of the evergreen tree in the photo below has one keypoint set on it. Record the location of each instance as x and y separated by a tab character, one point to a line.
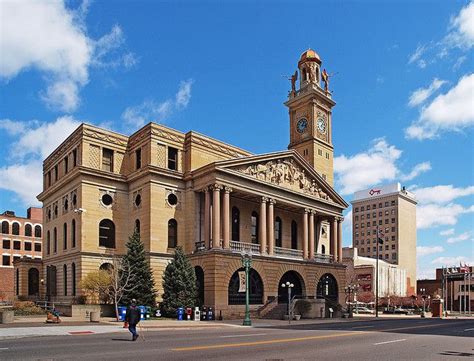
141	275
179	284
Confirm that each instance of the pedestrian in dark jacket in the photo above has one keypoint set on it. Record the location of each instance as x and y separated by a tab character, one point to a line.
132	317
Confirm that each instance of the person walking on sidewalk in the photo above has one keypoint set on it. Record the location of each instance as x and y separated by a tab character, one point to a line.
132	317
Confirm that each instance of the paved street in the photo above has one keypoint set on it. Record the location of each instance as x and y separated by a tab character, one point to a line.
385	339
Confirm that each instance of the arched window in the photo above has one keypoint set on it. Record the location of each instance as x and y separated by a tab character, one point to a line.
235	224
172	233
73	233
5	227
33	281
255	289
137	226
107	233
254	227
38	231
55	240
323	249
73	278
294	235
65	279
16	228
65	236
48	242
278	230
28	230
327	287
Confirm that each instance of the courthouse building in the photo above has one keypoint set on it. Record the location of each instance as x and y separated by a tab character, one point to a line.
392	209
212	198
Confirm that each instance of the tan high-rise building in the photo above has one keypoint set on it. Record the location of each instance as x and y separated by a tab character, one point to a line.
213	199
393	210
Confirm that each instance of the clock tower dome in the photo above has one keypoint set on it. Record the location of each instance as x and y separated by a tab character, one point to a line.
310	111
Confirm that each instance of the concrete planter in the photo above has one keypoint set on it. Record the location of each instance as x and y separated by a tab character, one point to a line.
6	316
95	316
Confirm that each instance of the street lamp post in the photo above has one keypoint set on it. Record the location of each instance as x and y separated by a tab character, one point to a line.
350	290
289	286
247	263
422	290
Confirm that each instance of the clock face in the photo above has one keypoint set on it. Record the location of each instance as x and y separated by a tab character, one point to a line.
321	125
302	125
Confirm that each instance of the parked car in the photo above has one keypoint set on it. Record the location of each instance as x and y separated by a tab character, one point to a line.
402	311
362	309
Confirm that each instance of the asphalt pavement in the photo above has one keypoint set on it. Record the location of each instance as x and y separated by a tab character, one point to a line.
367	340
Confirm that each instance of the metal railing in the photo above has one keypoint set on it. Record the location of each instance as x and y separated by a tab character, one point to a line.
288	252
245	247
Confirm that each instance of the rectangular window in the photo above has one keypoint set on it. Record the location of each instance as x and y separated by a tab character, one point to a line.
393	220
324	176
138	158
374	223
386	256
380	205
357	242
320	152
368	215
362	209
56	173
362	217
327	155
386	221
49	179
386	204
368	224
27	246
393	203
374	206
356	210
386	213
356	226
368	232
74	157
386	247
107	160
66	165
393	229
363	234
393	238
17	245
393	246
6	244
37	247
172	158
392	212
6	260
356	218
394	256
380	214
380	222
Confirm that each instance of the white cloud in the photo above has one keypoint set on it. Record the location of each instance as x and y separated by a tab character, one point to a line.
441	194
451	261
459	62
347	223
25	176
432	215
462	237
151	110
452	111
421	94
447	232
462	34
51	38
416	171
416	56
375	166
12	127
423	251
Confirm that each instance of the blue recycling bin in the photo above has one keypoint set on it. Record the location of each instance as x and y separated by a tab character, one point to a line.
180	313
210	314
142	312
122	310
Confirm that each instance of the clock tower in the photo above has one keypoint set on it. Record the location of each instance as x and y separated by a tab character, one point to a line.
310	115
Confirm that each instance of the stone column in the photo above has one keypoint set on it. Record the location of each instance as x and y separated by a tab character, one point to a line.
262	226
333	241
339	239
270	227
311	234
207	218
216	216
305	233
226	220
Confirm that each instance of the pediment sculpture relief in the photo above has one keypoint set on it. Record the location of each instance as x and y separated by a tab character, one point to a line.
287	174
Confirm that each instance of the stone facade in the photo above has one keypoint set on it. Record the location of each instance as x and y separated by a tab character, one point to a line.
211	198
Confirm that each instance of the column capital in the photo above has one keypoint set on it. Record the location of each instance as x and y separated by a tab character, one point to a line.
340	219
307	210
205	189
227	189
314	211
216	187
271	201
264	199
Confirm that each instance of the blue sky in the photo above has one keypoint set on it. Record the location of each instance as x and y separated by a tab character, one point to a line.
404	90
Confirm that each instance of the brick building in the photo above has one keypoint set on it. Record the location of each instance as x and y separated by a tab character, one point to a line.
21	239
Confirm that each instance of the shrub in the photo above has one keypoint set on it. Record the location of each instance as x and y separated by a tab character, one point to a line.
27	308
79	300
302	307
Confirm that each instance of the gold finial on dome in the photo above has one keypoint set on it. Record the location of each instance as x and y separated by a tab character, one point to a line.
310	55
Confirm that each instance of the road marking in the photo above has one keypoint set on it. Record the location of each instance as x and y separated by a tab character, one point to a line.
248	335
411	327
80	332
267	342
362	327
469	329
383	343
3	348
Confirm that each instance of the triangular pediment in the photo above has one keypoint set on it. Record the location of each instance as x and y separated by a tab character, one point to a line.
285	170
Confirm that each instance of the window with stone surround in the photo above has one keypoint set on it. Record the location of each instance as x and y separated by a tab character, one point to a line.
172	233
107	160
254	227
107	233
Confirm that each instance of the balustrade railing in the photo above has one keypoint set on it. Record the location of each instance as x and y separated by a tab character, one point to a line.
323	258
245	247
288	252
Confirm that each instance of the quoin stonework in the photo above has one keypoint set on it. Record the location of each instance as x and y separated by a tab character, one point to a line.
213	199
392	209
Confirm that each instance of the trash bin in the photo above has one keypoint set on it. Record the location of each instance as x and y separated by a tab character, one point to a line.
122	310
197	314
142	312
204	313
95	316
180	312
210	314
6	316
